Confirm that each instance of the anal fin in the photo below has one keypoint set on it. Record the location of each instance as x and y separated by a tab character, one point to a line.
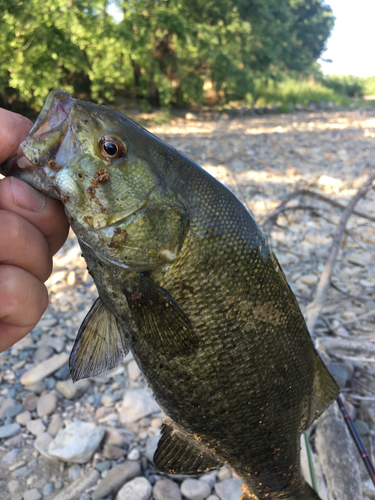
100	345
177	454
326	391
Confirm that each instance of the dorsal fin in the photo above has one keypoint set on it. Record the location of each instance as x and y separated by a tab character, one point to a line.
178	454
100	345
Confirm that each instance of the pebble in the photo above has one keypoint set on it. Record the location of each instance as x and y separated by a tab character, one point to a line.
48	489
36	387
134	454
309	279
74	472
13	486
116	478
77	442
10	457
72	390
46	404
362	428
193	489
212	497
42	442
229	489
43	369
151	445
33	494
30	402
9	430
55	425
133	370
113	452
137	403
165	489
36	427
63	373
224	473
23	418
14	410
340	375
136	489
78	487
42	353
5	405
104	466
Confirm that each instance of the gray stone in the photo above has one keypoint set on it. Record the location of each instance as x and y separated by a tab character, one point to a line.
209	477
14	486
230	489
42	443
9	430
36	387
116	478
133	370
10	457
77	442
339	374
32	495
42	353
151	445
5	405
48	489
137	403
21	471
55	425
212	497
72	390
166	489
224	473
43	369
74	472
134	454
36	427
193	489
46	404
104	466
63	373
362	428
23	418
14	411
30	402
136	489
78	487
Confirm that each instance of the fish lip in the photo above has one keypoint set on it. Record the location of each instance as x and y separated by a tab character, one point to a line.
55	112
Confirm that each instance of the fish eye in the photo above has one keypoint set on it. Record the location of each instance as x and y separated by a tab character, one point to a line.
111	147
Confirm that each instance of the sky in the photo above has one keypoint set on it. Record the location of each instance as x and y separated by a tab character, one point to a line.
352	43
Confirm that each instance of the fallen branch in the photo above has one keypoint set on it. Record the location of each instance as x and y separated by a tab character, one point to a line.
314	308
307	192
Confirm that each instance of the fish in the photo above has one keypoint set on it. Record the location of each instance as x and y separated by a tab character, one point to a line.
186	281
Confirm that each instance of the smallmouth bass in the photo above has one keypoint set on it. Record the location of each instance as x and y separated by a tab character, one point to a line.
187	281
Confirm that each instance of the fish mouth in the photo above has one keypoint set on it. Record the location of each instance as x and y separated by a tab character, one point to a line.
47	133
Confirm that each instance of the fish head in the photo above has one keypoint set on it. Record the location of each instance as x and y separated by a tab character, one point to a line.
111	175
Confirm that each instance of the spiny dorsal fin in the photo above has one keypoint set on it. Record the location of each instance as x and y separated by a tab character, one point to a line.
161	318
100	345
182	455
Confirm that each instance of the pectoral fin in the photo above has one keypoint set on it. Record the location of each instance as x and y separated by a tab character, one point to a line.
182	455
161	319
100	345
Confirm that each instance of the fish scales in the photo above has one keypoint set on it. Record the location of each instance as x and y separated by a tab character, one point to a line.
187	281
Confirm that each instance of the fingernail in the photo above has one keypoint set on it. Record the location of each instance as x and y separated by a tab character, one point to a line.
25	196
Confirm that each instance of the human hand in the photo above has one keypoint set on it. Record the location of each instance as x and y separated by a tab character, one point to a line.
32	228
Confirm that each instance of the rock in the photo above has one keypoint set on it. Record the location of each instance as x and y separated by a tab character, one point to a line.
32	495
14	486
72	390
210	478
230	489
362	428
104	466
48	489
14	411
42	353
368	410
212	497
151	445
5	405
166	489
10	457
368	489
74	472
76	489
9	430
42	443
23	418
43	369
37	387
361	259
113	452
193	489
46	404
107	401
63	373
116	478
133	370
118	437
77	442
23	343
134	454
136	489
55	425
36	427
30	402
137	403
339	374
224	473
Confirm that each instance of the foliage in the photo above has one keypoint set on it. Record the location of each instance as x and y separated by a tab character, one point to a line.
369	86
349	85
303	91
161	51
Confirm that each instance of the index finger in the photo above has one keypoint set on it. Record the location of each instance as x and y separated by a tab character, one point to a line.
13	130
